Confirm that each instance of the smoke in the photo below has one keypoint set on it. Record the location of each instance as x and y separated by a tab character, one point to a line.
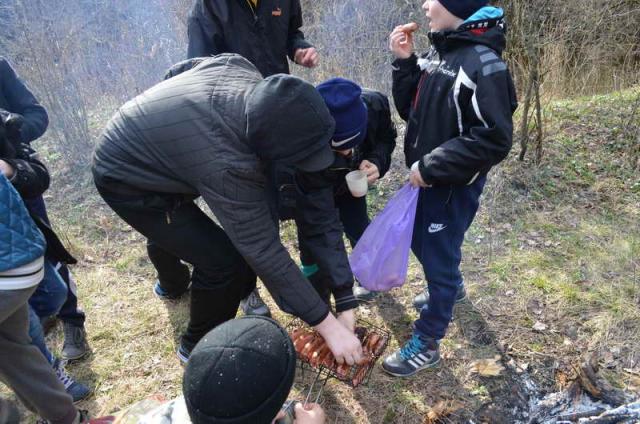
352	37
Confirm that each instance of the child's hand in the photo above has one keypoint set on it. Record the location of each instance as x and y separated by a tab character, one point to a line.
401	40
6	169
312	413
372	171
415	179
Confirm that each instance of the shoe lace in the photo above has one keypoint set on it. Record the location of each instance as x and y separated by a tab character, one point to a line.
64	378
414	346
255	301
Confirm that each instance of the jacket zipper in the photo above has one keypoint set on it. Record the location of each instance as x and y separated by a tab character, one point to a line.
253	11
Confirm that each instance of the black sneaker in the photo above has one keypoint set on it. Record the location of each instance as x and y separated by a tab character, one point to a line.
254	305
422	300
417	354
163	294
75	342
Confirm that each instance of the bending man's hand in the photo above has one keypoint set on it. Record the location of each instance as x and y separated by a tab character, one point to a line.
344	344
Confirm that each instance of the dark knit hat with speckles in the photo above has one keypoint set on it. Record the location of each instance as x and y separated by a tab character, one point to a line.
240	372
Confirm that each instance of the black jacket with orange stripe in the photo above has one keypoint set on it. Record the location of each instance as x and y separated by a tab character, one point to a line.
265	35
458	101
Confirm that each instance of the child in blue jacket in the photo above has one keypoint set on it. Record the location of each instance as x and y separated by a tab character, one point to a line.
458	100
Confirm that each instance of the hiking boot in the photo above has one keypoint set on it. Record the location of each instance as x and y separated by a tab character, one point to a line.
417	354
163	294
254	305
422	300
78	391
364	295
48	324
75	342
9	413
183	354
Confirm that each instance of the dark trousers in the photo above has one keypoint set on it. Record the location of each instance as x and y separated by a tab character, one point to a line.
69	313
221	277
354	218
173	275
353	215
443	216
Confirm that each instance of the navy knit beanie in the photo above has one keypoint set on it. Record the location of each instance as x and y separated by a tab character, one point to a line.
463	9
241	372
344	101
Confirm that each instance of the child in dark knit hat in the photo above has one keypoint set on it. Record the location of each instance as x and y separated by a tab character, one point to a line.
458	100
241	372
364	139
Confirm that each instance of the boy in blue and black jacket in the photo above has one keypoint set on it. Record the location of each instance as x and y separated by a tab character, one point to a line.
458	100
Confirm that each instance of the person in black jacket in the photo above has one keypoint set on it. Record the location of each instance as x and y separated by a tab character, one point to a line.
26	121
364	139
212	131
263	31
458	101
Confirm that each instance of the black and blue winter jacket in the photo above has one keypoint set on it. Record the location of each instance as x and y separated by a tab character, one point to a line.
458	100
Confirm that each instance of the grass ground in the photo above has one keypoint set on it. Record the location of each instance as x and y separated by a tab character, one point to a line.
552	267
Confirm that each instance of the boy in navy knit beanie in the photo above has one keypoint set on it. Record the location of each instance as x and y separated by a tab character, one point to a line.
364	139
458	100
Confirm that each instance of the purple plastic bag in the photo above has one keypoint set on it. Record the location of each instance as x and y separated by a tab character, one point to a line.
381	258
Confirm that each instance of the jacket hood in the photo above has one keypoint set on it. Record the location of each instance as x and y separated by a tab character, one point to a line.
288	122
487	27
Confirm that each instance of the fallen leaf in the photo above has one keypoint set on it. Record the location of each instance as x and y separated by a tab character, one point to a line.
487	367
441	410
540	326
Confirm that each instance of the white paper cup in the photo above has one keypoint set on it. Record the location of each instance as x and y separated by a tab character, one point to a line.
357	183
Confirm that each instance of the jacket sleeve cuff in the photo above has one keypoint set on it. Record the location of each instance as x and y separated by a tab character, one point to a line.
424	172
376	161
408	63
316	315
299	43
345	300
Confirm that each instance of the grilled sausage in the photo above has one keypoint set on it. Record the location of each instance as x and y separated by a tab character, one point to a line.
360	376
377	351
296	333
409	28
371	342
312	348
302	341
319	354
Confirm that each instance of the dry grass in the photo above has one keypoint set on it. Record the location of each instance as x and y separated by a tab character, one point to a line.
557	244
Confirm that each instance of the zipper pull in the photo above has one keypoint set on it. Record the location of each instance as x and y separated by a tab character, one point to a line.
169	217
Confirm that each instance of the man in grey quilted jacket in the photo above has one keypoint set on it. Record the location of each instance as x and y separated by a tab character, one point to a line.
211	131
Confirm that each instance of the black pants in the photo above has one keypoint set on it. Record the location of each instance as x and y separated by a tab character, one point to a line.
173	275
353	215
179	229
70	313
